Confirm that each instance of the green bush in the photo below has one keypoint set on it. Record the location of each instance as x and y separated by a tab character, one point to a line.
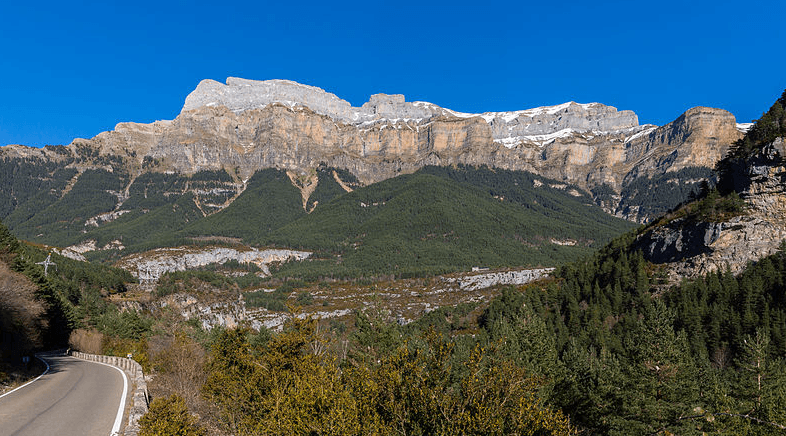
169	417
305	298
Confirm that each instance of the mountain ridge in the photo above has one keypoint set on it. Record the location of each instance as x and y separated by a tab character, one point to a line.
247	125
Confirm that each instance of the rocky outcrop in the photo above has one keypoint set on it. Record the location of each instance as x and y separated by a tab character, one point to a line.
698	138
687	249
150	265
227	314
536	125
240	95
481	281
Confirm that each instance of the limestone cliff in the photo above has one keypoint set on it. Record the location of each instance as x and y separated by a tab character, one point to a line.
688	249
244	125
700	137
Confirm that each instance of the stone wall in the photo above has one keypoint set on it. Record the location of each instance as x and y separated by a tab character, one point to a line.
139	394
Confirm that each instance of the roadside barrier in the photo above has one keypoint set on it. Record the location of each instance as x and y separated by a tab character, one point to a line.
140	395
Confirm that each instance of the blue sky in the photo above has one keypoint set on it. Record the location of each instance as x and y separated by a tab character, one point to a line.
74	69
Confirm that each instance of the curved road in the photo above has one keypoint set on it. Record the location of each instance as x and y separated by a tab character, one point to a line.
75	397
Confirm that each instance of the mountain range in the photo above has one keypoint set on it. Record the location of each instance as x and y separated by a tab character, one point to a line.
675	327
282	150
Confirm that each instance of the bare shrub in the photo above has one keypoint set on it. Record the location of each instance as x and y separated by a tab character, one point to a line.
21	315
180	365
86	341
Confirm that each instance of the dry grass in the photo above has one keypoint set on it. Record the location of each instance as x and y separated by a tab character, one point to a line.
86	341
405	299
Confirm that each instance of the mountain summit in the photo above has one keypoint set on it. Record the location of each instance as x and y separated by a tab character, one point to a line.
240	95
245	125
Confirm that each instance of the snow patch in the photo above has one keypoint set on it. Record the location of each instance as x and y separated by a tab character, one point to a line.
642	133
539	139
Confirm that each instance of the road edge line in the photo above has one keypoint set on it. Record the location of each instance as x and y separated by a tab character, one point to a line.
121	410
31	381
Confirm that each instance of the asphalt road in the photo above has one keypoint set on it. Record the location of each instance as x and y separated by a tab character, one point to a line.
75	397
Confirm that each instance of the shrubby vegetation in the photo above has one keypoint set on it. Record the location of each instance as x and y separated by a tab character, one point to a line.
169	417
654	196
292	386
69	298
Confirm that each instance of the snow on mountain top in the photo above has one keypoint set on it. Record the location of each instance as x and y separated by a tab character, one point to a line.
744	127
240	95
509	116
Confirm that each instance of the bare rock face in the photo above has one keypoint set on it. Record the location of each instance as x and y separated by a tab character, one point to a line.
698	138
245	125
240	95
526	125
150	266
691	249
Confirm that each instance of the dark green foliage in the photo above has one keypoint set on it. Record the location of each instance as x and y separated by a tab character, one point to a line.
434	221
178	281
151	190
771	125
328	188
70	291
713	207
620	361
764	131
304	298
603	195
657	195
123	325
157	228
720	310
439	220
62	221
211	178
59	149
271	300
213	189
233	265
35	181
269	202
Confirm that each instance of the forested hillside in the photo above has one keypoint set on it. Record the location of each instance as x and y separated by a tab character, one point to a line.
441	219
433	221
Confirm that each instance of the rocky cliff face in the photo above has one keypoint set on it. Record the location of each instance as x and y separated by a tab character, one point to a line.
698	138
688	249
244	125
149	266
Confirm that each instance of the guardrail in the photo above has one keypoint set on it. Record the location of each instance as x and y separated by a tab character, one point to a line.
140	395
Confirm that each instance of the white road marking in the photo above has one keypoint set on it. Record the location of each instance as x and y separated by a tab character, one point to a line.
20	387
122	408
